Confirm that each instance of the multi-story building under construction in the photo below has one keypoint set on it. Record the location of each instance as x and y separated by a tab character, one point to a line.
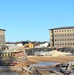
62	37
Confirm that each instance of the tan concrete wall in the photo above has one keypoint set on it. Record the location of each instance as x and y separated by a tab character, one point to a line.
2	37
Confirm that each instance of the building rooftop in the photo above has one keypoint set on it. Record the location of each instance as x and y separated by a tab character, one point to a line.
3	29
62	28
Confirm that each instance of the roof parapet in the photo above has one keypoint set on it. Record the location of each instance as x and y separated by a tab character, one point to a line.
62	28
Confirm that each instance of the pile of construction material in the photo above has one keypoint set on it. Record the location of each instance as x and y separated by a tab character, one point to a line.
52	53
48	68
13	56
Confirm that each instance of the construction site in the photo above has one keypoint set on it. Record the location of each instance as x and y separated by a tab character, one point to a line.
30	59
17	60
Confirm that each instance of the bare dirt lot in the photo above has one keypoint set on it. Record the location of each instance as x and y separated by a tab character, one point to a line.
34	59
61	59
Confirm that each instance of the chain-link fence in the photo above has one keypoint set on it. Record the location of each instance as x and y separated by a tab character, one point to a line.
43	61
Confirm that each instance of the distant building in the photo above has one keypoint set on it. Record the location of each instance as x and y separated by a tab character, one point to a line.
19	45
42	45
62	37
2	37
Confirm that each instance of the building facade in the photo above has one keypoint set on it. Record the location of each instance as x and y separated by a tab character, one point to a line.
2	37
62	37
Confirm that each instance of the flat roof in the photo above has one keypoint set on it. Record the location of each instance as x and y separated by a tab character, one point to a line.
3	29
70	27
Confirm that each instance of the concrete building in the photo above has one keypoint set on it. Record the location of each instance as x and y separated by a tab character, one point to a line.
2	37
62	37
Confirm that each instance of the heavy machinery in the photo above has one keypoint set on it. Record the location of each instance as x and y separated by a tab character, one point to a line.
29	45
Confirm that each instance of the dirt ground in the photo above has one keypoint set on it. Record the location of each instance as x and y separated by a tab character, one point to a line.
61	59
34	59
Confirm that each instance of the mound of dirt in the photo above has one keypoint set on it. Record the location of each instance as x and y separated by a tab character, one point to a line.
58	53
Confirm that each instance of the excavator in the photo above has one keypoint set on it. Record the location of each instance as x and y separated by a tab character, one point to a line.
28	46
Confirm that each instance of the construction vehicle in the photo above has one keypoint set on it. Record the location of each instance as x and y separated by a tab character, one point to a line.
28	46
